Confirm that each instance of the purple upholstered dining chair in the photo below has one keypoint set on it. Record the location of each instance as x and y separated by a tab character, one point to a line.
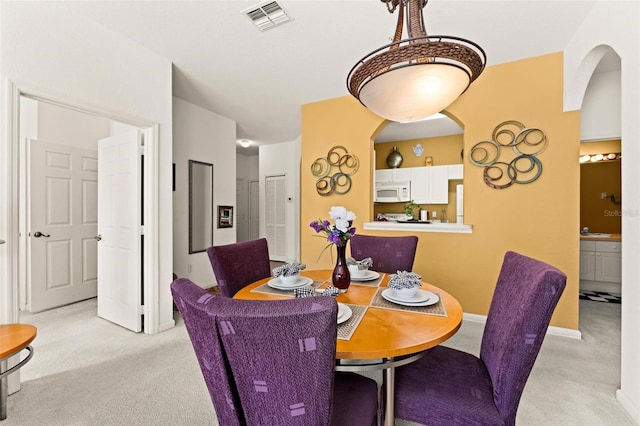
272	362
451	387
389	254
236	265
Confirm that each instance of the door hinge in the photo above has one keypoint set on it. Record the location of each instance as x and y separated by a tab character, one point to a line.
142	230
141	150
141	310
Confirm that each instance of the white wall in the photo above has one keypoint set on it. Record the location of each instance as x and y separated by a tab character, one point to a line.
70	127
247	166
205	136
279	159
600	113
55	54
615	24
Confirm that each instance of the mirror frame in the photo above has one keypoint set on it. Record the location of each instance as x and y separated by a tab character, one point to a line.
201	217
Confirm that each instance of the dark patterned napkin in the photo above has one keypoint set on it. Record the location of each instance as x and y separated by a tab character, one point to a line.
308	291
288	269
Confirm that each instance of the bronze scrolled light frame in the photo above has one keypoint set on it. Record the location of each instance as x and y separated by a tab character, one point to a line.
419	51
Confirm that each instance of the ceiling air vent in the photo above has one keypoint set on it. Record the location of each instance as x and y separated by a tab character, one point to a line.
267	15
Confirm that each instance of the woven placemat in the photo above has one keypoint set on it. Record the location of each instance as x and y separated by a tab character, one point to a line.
435	309
371	283
264	288
346	329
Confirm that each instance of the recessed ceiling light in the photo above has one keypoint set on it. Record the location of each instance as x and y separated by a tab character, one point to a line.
245	143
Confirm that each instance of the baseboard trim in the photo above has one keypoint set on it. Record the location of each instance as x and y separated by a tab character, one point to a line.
627	405
552	330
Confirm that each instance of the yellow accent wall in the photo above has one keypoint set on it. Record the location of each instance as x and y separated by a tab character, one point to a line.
540	219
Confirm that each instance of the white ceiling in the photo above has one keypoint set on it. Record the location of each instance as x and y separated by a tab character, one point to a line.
261	79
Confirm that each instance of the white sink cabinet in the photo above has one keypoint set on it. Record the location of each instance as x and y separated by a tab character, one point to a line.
601	265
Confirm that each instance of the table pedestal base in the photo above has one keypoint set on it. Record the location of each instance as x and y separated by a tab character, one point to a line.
388	377
4	385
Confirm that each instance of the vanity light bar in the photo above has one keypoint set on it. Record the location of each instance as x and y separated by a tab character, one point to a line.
600	157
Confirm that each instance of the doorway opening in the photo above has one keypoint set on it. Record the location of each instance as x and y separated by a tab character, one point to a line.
45	131
601	184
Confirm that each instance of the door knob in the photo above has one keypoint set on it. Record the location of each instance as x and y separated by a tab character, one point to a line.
39	234
2	241
98	237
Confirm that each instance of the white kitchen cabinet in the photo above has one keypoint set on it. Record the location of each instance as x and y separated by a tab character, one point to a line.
419	186
430	185
456	171
393	175
601	261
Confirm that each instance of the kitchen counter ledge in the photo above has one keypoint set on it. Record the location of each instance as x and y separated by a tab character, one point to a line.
453	228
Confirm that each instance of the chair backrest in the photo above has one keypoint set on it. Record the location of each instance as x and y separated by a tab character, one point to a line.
236	265
389	254
198	309
524	299
278	356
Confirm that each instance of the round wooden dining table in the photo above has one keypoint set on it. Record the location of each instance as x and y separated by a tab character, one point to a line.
387	335
13	339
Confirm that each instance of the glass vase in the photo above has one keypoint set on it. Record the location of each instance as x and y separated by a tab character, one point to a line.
341	277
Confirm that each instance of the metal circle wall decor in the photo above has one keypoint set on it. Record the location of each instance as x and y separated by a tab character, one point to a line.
525	167
339	162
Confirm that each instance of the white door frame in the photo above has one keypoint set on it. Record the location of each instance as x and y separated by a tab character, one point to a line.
10	188
254	206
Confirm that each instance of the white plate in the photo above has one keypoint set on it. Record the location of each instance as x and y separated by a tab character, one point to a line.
418	296
370	275
432	300
344	312
276	283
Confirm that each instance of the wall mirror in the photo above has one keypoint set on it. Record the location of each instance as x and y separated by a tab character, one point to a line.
201	214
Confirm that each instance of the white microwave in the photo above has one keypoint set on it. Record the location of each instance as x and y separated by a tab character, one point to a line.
392	192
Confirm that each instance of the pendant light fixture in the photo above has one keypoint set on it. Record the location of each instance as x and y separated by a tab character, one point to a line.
412	79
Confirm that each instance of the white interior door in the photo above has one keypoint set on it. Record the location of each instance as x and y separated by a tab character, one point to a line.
254	210
275	219
63	225
119	225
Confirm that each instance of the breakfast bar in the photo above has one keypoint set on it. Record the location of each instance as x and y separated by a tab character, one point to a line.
417	226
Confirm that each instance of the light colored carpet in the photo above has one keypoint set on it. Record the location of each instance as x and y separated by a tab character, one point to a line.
87	371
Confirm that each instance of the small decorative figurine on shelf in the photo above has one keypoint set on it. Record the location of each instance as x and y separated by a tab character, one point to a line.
428	160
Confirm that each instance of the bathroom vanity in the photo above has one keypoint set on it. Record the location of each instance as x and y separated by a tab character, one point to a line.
601	262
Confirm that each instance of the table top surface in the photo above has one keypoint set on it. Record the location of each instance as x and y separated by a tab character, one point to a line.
382	333
15	337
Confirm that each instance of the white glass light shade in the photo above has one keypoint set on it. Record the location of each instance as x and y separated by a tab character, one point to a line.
414	92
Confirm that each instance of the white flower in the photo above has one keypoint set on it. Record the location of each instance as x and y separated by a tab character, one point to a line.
342	225
338	212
